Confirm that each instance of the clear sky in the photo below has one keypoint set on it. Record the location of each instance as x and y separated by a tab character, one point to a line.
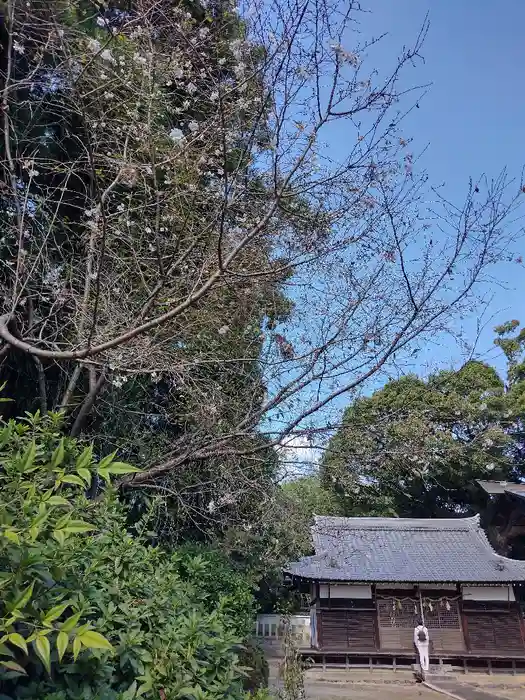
473	117
471	122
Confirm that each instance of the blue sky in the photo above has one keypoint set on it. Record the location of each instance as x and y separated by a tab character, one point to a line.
471	123
473	117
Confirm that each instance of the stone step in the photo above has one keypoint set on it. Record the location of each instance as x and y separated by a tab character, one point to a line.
435	677
440	669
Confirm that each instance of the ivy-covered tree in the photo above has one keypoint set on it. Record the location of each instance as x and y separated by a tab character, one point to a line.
112	216
168	190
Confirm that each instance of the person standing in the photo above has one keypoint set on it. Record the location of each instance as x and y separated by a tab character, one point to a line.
421	640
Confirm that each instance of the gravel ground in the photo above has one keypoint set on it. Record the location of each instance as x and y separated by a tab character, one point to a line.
339	685
509	687
333	684
319	690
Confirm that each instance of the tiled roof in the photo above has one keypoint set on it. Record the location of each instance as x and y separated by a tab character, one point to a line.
515	492
404	550
499	487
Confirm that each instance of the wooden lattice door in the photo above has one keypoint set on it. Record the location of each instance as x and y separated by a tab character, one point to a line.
398	617
443	619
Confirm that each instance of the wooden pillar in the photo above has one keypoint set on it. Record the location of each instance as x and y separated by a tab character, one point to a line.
521	621
318	615
463	619
376	619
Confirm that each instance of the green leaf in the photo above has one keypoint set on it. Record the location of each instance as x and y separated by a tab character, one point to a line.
58	455
77	526
24	598
71	622
107	460
85	458
5	435
58	501
29	457
85	474
13	666
59	536
5	651
18	641
104	473
122	468
144	687
77	645
47	495
43	649
43	514
131	692
55	612
62	521
12	536
95	640
62	642
72	479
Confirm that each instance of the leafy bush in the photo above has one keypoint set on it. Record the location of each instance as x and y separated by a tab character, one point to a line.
219	579
88	611
253	658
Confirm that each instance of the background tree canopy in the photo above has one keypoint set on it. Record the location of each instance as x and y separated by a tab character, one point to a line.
415	447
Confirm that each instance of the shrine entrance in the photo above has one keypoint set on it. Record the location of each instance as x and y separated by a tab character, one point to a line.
398	615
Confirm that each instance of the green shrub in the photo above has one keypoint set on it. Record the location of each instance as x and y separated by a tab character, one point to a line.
219	579
253	657
88	611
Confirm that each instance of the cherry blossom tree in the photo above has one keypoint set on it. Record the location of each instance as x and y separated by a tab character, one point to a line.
212	218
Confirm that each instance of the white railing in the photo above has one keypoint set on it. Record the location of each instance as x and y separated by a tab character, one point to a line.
271	627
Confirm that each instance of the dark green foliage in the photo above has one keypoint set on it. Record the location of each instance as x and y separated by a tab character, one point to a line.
147	618
252	657
415	447
304	498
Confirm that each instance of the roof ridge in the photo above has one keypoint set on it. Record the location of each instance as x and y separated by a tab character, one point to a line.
381	523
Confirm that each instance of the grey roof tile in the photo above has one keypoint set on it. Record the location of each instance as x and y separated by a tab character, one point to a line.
500	487
403	550
516	492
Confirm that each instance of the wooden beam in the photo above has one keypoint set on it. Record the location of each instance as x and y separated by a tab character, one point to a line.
376	619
